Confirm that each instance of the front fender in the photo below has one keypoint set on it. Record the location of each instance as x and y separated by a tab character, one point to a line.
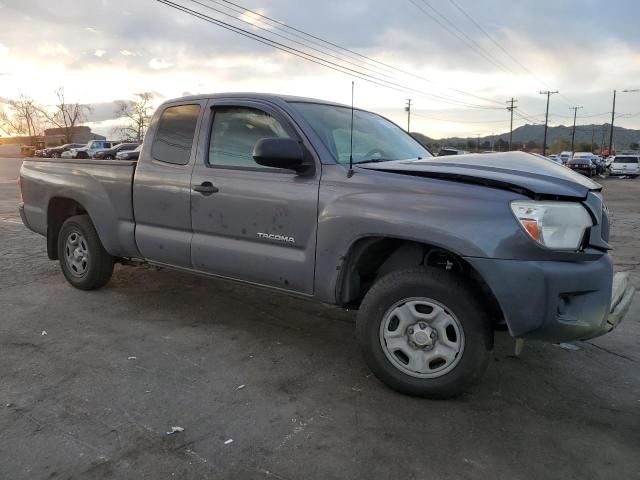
468	220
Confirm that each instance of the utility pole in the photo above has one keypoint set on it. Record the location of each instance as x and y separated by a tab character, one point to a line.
593	133
613	114
478	143
407	109
510	108
573	132
548	93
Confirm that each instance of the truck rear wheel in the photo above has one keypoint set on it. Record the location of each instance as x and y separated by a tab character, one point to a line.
84	261
423	332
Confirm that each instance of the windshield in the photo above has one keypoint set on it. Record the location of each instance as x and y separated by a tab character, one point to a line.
374	138
626	160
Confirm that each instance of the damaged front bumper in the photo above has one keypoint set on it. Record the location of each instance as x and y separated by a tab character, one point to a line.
621	297
557	301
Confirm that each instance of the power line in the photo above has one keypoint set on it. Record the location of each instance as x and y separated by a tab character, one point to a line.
528	118
328	45
504	50
454	31
310	57
490	37
415	114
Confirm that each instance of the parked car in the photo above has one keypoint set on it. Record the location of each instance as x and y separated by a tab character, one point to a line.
608	161
547	159
434	253
596	160
110	153
56	152
555	158
625	165
584	166
92	147
451	151
565	157
129	154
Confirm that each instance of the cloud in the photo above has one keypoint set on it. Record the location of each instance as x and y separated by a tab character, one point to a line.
54	50
158	64
574	46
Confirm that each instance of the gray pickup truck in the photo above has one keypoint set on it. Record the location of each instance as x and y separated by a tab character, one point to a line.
435	253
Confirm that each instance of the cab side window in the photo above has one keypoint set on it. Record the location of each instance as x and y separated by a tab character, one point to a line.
174	137
234	133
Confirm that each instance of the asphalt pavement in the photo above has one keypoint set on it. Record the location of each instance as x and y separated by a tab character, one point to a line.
270	387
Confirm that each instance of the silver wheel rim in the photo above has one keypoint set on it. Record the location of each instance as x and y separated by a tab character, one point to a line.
76	254
422	338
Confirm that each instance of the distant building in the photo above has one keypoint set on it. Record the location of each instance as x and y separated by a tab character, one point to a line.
54	136
58	136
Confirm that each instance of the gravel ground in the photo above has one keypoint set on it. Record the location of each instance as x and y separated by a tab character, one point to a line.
118	367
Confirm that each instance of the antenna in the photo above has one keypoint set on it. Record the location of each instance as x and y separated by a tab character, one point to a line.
350	172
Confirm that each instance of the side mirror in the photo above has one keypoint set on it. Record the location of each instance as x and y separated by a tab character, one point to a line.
280	153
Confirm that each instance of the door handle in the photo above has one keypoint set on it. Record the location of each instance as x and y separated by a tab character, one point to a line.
205	188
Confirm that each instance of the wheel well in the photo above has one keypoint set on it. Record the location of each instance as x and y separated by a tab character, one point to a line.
58	211
372	258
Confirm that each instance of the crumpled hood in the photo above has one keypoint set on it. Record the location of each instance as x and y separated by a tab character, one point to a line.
511	170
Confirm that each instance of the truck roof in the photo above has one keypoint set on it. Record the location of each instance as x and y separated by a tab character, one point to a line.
271	97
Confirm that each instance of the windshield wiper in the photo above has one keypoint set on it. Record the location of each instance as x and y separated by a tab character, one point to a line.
373	160
377	160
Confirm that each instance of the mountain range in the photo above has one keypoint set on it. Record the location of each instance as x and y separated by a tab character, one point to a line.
532	135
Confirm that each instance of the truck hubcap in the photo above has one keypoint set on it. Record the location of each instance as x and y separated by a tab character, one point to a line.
76	254
422	338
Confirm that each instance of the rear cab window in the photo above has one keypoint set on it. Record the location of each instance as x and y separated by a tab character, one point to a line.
626	160
174	136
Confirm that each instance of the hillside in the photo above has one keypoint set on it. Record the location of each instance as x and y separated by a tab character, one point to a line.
532	135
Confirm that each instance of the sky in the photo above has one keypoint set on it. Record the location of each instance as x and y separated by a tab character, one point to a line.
458	60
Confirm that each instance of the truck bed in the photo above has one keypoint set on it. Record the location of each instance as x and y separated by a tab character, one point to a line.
102	187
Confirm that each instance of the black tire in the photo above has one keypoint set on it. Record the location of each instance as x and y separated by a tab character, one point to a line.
108	157
456	297
55	155
82	155
96	271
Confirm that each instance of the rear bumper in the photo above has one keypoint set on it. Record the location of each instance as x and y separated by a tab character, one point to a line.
557	301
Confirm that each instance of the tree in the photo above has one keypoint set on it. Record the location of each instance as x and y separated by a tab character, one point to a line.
561	145
138	114
502	145
66	115
24	118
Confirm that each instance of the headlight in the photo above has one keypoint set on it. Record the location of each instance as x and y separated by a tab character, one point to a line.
558	225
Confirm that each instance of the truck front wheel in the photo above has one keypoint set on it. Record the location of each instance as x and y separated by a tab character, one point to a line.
84	261
424	332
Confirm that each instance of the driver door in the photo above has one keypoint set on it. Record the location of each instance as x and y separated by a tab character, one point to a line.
251	223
